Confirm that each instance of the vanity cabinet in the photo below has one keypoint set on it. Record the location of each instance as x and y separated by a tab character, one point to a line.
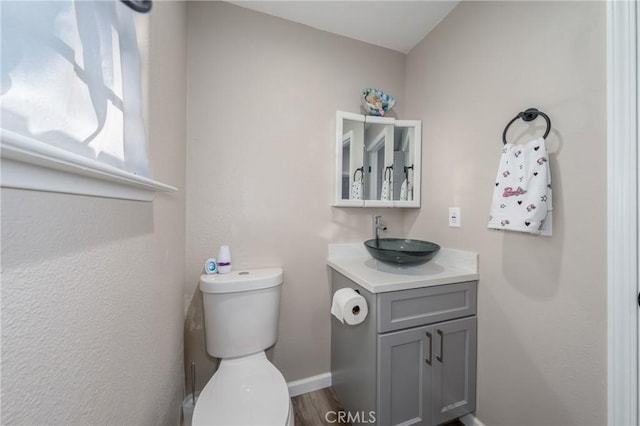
378	161
413	360
426	375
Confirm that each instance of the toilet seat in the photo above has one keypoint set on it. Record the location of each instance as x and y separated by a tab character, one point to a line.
244	391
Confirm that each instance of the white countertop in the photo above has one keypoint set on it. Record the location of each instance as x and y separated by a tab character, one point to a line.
448	266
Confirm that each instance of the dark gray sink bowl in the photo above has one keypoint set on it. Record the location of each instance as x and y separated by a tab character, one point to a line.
399	251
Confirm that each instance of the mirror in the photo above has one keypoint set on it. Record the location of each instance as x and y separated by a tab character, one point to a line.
349	158
377	161
405	152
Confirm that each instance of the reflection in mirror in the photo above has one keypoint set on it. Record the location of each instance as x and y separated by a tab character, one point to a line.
346	155
377	161
352	161
378	143
403	163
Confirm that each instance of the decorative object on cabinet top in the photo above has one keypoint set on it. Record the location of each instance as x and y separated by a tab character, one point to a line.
376	102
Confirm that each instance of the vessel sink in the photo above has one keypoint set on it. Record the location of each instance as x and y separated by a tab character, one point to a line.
400	251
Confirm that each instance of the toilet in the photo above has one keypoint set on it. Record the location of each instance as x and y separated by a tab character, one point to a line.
241	321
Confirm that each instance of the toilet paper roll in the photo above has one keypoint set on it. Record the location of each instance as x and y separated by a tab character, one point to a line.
349	307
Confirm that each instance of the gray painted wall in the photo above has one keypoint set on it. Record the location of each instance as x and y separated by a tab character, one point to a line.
263	95
542	340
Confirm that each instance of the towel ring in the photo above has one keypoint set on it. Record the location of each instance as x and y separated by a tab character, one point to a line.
388	169
361	170
406	171
140	6
528	115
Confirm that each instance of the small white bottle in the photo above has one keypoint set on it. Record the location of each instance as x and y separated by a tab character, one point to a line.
224	260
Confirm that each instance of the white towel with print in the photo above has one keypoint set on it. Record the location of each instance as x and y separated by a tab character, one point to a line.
385	194
522	195
404	190
356	190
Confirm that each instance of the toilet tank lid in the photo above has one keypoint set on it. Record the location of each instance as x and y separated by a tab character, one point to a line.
241	280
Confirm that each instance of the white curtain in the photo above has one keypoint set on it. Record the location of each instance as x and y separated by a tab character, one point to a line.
71	79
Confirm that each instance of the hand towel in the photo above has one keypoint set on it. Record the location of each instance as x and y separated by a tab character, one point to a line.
356	190
385	194
404	190
522	194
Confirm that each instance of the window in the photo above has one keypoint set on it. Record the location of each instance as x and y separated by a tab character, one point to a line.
71	100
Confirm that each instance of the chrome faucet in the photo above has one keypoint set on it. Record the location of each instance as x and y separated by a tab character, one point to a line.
377	227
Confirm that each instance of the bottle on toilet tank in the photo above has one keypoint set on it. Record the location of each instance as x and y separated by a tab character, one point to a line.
211	266
224	260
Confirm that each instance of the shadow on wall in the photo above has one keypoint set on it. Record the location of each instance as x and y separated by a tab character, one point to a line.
64	224
532	264
194	345
354	224
499	374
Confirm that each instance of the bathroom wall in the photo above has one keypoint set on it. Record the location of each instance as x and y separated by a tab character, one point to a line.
542	339
262	98
92	288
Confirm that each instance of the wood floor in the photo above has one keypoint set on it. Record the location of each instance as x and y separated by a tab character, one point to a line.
317	409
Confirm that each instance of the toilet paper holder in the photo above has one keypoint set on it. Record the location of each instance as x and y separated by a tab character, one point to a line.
349	306
356	309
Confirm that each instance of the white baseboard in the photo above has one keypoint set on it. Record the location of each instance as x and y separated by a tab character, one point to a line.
470	420
309	384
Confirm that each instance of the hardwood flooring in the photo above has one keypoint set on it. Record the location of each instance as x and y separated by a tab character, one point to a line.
319	408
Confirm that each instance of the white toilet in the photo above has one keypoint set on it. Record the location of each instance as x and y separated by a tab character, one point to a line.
241	321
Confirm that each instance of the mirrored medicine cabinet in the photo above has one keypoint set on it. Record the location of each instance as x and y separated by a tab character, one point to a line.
377	161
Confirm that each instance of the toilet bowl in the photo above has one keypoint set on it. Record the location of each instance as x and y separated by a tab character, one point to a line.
241	318
245	391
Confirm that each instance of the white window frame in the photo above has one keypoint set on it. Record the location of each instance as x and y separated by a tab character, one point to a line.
622	212
26	163
29	163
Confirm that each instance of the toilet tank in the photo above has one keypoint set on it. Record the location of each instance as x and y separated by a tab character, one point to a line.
241	311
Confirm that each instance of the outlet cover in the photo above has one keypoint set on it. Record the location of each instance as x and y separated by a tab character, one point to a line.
455	220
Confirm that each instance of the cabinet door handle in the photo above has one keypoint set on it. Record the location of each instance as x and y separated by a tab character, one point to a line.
441	356
428	360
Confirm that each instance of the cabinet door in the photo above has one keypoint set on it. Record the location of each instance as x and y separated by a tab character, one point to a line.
349	182
404	377
378	161
406	163
454	369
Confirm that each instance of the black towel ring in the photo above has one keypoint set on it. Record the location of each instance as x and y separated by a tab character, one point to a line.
528	115
140	6
359	169
406	171
390	170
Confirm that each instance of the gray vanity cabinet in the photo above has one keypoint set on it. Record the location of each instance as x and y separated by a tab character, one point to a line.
404	378
427	374
413	360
